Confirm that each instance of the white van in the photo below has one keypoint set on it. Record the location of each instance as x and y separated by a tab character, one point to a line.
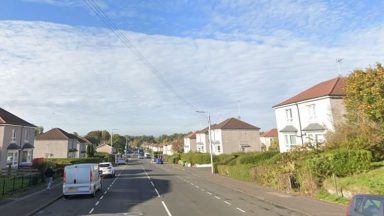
81	179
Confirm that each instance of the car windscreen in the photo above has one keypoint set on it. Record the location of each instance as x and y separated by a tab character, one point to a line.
103	165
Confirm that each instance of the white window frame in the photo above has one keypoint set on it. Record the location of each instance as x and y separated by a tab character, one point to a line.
29	156
311	109
288	140
13	136
15	157
289	115
26	136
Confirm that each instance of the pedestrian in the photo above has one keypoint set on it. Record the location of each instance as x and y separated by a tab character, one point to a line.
49	174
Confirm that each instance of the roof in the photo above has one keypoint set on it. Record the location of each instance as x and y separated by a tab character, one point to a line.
289	128
191	135
56	134
270	133
83	139
234	123
13	146
314	127
9	118
333	87
205	130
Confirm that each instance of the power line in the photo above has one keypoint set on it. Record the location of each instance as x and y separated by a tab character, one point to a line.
92	5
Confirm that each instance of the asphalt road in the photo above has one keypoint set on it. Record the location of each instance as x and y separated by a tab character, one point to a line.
142	188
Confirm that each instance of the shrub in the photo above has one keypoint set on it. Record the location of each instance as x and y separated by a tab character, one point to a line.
196	158
340	162
173	158
240	172
256	158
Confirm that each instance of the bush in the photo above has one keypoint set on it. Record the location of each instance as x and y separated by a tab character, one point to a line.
255	158
173	158
340	162
196	158
240	172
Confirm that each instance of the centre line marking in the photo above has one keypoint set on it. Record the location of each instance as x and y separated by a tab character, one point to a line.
152	184
105	192
209	193
158	195
228	202
197	186
90	212
97	203
101	197
240	210
217	197
166	209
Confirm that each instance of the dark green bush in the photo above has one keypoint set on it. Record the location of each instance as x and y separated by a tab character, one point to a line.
240	172
196	158
172	158
341	162
255	158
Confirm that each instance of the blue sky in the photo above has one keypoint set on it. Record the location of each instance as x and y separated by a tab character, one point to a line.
74	73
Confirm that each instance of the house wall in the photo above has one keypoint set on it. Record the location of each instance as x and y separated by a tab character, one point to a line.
189	145
51	149
105	148
323	116
267	141
231	140
202	138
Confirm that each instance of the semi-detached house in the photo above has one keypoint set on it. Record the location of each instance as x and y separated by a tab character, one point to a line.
16	140
57	143
190	143
308	116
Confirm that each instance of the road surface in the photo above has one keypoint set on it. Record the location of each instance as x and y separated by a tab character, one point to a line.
143	188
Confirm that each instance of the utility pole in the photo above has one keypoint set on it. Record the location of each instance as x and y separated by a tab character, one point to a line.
339	61
209	139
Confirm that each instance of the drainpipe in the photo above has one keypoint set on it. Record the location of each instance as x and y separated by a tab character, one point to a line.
301	132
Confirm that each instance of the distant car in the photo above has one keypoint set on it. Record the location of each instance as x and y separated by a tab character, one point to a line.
81	179
366	205
140	156
106	169
121	161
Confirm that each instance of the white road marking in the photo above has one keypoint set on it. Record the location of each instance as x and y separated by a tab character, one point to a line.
217	197
209	193
105	192
197	186
101	197
202	189
228	202
97	203
192	183
166	209
158	195
90	212
152	184
240	210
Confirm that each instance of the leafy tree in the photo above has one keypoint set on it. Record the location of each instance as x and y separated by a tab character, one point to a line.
177	146
90	151
39	130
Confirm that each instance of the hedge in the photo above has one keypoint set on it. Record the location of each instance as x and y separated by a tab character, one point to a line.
196	158
240	172
255	158
341	162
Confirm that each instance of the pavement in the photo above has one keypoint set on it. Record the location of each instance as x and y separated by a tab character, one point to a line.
143	188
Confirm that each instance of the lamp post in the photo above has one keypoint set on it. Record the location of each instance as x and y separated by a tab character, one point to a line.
209	138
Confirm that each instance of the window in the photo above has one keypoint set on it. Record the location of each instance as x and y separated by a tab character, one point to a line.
12	158
13	136
26	136
311	111
288	114
290	139
218	148
319	138
26	156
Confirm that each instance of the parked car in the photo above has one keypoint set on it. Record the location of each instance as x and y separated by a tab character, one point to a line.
121	161
81	179
159	161
106	169
366	205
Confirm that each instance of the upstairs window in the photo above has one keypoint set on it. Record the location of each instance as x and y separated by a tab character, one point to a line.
311	111
288	114
26	136
13	136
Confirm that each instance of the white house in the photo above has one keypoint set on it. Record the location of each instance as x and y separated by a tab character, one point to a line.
234	135
167	149
268	137
190	142
202	140
306	117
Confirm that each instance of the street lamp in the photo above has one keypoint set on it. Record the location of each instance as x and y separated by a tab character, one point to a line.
209	137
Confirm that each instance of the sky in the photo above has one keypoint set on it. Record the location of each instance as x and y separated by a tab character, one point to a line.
158	62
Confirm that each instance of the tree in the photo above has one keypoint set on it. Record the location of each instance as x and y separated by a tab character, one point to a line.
90	151
39	130
177	146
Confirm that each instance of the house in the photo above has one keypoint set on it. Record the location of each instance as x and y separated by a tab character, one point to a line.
156	148
105	148
268	137
306	117
167	149
16	140
190	143
202	141
82	144
234	135
56	143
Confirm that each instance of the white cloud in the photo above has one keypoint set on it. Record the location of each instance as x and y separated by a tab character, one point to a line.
83	78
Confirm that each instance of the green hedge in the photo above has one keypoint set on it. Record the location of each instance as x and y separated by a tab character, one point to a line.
196	158
255	158
341	162
173	158
240	172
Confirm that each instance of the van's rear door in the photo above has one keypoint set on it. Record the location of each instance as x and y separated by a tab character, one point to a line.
78	174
